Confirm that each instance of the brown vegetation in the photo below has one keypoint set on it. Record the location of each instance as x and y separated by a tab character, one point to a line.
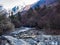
47	18
5	25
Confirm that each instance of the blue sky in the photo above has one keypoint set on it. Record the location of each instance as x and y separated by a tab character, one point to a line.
8	4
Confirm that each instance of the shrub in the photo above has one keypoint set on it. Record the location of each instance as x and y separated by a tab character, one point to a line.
5	25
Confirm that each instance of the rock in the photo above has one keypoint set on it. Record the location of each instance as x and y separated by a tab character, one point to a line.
31	41
41	43
15	41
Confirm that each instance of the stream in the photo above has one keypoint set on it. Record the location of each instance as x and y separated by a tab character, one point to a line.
29	36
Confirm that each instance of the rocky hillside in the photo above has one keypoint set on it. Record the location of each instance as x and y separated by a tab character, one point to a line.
46	17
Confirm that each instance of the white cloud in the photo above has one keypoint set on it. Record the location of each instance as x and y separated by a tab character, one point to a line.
8	4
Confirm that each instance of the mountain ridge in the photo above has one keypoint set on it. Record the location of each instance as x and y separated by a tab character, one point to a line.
44	2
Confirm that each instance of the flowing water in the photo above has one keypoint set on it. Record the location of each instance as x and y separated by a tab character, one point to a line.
29	36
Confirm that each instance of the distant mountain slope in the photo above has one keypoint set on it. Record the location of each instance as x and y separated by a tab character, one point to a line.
44	2
41	2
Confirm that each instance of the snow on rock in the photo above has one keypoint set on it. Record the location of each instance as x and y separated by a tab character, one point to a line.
21	30
15	41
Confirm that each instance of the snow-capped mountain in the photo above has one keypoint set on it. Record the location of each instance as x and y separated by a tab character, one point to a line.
27	7
41	2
